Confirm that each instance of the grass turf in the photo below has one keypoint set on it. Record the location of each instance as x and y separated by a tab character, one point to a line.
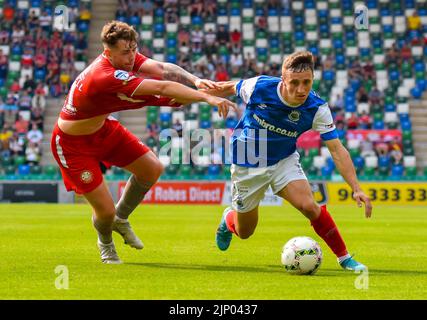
180	259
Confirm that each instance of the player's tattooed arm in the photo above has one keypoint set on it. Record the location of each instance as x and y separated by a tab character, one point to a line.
175	73
172	72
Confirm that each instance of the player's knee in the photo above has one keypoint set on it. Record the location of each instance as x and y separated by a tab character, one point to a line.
310	209
105	214
160	169
245	233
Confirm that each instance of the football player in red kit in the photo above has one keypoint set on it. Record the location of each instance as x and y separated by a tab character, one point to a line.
86	135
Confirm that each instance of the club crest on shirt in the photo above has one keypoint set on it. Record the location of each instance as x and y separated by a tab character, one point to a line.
294	116
121	75
86	176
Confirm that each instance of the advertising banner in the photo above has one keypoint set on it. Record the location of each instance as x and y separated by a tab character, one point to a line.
29	192
387	193
177	192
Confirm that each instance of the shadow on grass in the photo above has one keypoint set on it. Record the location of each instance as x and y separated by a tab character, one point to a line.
322	272
221	268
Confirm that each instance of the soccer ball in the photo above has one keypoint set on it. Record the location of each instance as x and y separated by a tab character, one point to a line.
301	255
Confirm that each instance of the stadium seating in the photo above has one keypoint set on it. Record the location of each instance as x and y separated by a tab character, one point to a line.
269	31
35	41
326	28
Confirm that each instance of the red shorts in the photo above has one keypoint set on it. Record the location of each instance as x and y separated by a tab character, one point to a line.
79	157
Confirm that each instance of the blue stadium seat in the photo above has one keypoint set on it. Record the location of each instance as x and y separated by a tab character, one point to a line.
172	58
159	28
378	125
83	26
206	124
406	125
214	170
359	162
134	21
36	3
159	12
323	13
397	170
421	84
171	42
165	116
235	12
197	21
390	108
372	4
328	75
337	43
247	4
23	169
309	4
122	18
383	161
40	74
273	12
416	92
17	50
73	3
326	171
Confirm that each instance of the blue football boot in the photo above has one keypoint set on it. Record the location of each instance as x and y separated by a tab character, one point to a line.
223	235
352	265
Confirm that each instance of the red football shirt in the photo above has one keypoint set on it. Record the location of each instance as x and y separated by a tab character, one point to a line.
102	89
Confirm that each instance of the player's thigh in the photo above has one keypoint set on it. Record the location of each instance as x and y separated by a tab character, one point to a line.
298	193
248	188
128	152
101	201
147	167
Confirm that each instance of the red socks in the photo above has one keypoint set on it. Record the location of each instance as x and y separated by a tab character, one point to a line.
230	221
326	228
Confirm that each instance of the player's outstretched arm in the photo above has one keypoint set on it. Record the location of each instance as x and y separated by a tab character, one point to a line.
224	89
172	72
345	166
180	93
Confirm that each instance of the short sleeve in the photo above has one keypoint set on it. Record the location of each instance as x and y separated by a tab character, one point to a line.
122	82
245	88
139	60
324	123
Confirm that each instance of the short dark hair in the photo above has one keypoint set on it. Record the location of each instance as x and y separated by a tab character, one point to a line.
117	30
299	62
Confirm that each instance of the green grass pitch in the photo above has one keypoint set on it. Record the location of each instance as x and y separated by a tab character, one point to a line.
180	259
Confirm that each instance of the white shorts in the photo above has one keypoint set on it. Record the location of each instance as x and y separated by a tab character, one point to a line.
248	185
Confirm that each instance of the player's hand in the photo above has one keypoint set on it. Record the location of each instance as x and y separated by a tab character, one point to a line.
223	105
360	197
205	84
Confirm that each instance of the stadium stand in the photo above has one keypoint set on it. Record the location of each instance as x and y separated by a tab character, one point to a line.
40	54
374	78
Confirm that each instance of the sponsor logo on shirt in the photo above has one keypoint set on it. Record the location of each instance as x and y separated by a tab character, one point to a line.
329	126
121	75
69	109
271	127
262	106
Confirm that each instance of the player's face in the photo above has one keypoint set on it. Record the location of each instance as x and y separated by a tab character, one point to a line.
122	56
297	86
